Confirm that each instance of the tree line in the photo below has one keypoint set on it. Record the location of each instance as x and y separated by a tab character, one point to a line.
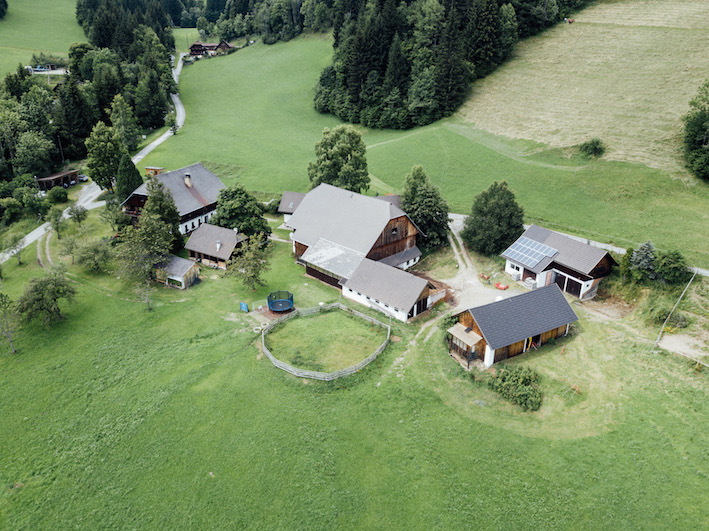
3	8
398	65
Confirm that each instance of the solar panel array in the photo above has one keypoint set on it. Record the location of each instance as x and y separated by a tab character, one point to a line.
528	252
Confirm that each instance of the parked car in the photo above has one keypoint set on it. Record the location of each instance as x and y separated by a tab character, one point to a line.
83	178
72	182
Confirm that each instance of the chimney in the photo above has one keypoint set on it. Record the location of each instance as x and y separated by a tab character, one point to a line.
219	245
188	180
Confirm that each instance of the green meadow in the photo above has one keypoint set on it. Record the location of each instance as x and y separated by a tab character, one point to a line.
250	118
33	26
120	418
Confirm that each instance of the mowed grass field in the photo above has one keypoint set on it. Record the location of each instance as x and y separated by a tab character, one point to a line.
119	418
623	71
33	26
250	118
325	342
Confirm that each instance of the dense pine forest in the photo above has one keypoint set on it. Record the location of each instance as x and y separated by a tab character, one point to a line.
397	65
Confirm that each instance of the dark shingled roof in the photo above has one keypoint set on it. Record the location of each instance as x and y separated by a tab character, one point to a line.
508	321
204	240
386	284
289	202
175	266
204	191
573	254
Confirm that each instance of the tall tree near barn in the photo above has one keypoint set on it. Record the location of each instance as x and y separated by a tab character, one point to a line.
341	160
422	201
239	210
104	152
495	221
128	177
161	204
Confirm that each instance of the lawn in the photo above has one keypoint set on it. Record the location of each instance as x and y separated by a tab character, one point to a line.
325	342
264	138
33	26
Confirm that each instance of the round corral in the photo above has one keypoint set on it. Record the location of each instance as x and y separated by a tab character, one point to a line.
307	343
280	301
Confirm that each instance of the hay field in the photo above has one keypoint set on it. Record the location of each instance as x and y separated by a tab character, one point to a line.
624	72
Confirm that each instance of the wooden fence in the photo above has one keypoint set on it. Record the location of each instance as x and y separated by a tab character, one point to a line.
325	376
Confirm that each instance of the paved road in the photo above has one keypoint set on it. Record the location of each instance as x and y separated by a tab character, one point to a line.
90	193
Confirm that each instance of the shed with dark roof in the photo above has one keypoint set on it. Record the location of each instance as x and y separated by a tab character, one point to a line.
512	326
543	257
213	246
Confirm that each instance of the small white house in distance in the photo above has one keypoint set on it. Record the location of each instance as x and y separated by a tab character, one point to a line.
542	257
390	290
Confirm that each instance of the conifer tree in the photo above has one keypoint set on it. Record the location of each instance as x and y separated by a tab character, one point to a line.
104	152
422	201
150	101
161	205
128	178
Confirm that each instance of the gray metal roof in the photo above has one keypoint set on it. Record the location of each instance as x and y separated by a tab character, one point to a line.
204	190
393	199
402	257
573	254
350	219
334	258
290	201
176	266
386	284
508	321
204	240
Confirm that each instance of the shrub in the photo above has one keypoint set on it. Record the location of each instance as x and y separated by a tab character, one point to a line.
57	195
593	148
672	267
519	385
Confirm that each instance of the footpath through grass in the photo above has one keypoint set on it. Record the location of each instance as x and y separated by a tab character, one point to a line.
259	127
325	342
33	26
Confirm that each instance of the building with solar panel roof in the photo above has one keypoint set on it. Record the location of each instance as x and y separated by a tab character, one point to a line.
543	257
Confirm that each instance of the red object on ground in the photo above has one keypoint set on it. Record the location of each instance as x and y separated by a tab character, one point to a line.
483	275
501	286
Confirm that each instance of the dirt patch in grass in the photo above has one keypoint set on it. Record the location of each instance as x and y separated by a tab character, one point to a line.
623	72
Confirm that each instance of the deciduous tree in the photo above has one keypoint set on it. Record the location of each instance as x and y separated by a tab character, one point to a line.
14	244
93	254
33	154
42	295
78	214
671	267
251	262
56	221
238	209
495	221
696	133
9	319
124	123
341	160
161	204
104	152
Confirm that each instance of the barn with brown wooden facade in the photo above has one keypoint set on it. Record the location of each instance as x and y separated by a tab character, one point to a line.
512	326
339	234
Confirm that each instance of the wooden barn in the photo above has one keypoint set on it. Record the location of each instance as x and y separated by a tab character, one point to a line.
509	327
541	257
209	48
177	272
213	246
194	190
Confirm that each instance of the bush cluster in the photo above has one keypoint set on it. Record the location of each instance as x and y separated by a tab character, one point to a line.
593	148
519	385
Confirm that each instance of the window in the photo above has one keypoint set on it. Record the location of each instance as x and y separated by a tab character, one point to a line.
515	267
395	231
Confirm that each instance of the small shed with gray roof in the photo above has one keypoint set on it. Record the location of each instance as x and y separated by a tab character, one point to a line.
290	201
509	327
390	290
177	272
541	257
213	246
194	190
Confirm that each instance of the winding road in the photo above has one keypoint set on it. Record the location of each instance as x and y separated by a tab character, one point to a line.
89	195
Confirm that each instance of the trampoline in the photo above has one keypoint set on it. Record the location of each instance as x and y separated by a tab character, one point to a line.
280	301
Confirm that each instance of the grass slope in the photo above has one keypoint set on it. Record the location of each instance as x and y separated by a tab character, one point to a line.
172	419
32	26
624	71
253	120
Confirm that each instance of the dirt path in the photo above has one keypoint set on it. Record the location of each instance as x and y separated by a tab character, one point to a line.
47	256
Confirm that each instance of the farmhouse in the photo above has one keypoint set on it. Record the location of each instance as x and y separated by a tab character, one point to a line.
212	245
194	190
509	327
64	179
208	48
289	202
391	290
177	272
542	257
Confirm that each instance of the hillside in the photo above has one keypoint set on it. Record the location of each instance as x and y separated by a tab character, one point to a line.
623	71
33	26
249	116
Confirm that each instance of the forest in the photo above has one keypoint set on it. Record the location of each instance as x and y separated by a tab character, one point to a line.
398	65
